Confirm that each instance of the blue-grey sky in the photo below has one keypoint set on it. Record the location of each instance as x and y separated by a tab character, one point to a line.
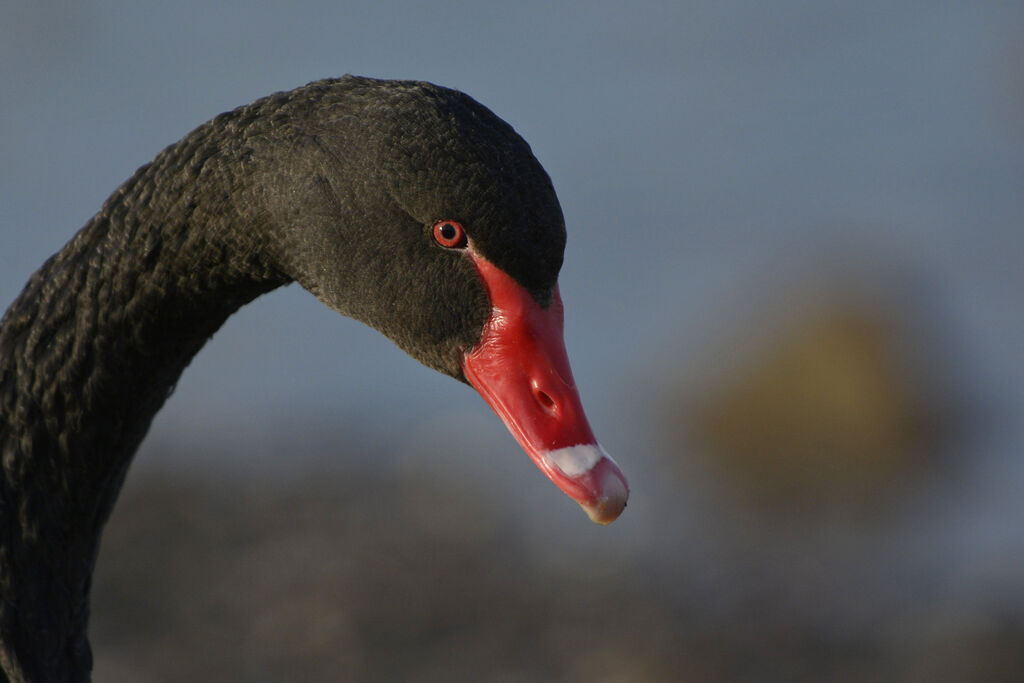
700	150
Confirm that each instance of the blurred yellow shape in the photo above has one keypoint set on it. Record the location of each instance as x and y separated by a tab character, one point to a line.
827	408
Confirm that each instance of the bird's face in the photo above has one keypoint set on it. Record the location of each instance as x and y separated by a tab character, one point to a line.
437	226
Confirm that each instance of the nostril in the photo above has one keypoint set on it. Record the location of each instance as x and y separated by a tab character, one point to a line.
544	400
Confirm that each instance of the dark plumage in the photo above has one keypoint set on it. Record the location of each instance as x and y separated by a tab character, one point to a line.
342	186
335	185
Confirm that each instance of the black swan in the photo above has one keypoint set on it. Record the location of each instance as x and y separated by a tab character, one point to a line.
402	204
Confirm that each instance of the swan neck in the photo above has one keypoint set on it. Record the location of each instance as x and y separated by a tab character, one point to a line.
89	352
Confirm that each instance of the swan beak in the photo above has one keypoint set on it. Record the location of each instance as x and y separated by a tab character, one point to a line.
521	369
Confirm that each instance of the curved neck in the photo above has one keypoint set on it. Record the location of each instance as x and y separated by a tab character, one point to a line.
88	353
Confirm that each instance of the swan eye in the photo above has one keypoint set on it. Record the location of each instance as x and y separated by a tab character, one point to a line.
449	234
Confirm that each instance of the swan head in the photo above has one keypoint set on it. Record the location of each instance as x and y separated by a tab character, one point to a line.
429	218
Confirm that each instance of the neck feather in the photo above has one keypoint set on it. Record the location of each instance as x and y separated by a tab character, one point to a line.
88	353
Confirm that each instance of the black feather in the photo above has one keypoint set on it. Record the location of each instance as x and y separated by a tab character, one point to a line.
335	185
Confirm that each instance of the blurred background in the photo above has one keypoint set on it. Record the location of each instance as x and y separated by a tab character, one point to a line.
793	300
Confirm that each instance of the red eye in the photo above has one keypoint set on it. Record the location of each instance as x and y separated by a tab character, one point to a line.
449	234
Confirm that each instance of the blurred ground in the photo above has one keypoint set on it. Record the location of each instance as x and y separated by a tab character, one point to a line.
340	575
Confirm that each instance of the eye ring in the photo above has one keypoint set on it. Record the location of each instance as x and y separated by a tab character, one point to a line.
449	234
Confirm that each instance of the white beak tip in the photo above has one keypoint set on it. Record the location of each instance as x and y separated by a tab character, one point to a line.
612	501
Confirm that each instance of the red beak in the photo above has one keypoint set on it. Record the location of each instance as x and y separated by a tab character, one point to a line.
521	369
